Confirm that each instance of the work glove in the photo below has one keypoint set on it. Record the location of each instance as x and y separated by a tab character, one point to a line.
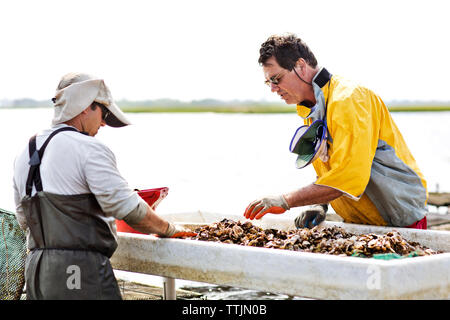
271	204
312	216
177	231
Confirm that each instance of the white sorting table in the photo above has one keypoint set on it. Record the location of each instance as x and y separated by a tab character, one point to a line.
303	274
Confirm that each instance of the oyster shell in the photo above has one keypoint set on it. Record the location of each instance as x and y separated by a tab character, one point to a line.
330	240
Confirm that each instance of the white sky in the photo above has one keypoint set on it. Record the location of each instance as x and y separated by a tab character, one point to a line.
209	49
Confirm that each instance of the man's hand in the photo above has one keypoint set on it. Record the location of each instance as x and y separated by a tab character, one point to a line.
312	216
176	231
271	204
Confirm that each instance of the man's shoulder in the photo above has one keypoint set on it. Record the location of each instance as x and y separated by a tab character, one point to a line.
75	142
345	90
345	87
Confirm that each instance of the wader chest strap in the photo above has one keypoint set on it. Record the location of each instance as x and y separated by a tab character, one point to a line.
34	174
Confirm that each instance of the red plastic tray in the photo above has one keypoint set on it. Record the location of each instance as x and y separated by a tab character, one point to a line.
153	197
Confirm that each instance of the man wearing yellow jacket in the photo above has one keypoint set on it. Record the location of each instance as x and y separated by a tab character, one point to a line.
364	167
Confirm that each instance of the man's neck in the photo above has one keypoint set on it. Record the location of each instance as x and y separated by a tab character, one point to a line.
76	123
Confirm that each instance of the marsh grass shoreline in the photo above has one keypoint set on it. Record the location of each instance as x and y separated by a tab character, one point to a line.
265	108
244	108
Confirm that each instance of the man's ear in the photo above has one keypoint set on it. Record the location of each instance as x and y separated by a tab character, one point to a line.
85	111
301	65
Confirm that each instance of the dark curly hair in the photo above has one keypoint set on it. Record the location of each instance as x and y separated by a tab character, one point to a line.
286	49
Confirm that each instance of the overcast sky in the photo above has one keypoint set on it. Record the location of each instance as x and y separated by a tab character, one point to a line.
209	49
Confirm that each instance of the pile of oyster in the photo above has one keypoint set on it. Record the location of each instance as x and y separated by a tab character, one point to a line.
329	240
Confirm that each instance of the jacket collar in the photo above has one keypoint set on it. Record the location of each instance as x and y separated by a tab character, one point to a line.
320	92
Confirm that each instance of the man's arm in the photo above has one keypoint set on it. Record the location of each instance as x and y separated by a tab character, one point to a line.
144	219
311	194
150	223
20	216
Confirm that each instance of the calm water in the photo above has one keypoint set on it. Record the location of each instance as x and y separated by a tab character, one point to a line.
218	162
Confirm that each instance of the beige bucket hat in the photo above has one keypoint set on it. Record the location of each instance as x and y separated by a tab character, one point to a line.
77	91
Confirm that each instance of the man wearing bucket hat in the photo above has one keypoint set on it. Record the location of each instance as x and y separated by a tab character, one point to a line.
364	167
68	197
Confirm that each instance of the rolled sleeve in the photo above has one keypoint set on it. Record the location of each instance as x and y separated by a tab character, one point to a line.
138	213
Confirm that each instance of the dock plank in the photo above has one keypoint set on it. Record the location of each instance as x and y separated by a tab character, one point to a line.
138	291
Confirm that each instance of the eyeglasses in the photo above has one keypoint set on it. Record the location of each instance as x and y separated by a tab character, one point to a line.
275	80
105	111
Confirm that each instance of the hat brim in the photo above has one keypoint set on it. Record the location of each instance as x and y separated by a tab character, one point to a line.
308	144
305	159
117	118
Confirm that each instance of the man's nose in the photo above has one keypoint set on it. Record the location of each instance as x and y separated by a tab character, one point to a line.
274	87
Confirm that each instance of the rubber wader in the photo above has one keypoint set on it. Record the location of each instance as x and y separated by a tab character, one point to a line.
70	244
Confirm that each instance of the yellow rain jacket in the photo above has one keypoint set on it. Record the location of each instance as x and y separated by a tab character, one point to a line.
368	159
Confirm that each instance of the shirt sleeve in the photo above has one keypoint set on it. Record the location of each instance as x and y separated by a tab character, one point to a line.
138	213
354	129
111	190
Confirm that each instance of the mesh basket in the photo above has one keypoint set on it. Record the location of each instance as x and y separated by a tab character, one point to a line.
12	257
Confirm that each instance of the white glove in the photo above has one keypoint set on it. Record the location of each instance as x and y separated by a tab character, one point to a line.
177	231
271	204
